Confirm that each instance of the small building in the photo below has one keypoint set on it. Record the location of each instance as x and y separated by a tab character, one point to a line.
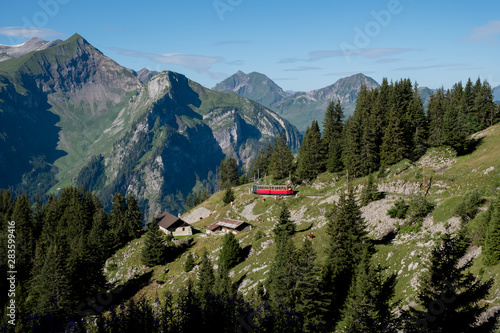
173	225
228	225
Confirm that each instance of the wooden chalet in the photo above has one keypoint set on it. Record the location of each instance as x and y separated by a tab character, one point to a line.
228	225
173	225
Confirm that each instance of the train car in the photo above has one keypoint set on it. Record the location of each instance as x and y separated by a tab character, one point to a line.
273	189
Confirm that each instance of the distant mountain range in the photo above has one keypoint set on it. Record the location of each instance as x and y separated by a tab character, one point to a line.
300	108
496	94
17	51
69	114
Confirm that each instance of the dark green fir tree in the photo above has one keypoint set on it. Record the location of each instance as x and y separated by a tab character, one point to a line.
450	298
230	254
153	252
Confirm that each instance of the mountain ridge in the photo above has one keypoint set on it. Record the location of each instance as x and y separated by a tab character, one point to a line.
85	105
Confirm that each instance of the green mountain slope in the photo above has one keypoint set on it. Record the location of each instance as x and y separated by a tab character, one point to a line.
65	106
399	250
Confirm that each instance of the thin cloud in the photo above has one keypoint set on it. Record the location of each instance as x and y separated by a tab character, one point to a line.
199	63
485	33
374	53
25	32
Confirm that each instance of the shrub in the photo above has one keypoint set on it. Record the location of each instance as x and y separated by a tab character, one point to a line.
419	208
399	210
468	208
228	196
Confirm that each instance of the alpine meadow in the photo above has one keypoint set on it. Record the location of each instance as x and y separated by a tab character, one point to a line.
140	200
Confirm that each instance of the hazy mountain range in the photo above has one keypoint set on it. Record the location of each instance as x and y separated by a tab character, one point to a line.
68	108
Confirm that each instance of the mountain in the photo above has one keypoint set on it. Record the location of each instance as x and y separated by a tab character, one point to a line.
69	114
144	75
299	108
256	86
16	51
496	93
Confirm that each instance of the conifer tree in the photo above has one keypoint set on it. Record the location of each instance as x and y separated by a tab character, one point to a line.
51	289
491	247
228	196
229	173
346	240
25	248
118	219
285	228
189	263
310	299
449	298
205	277
230	254
370	155
367	307
332	137
351	149
369	192
435	112
417	126
282	159
455	130
133	218
394	146
153	252
311	157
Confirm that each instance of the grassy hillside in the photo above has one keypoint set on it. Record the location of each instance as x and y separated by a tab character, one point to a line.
449	177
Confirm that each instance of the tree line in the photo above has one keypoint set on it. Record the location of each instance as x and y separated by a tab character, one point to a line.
390	124
346	292
61	249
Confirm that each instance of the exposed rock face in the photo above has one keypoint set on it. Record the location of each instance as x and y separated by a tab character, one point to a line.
70	102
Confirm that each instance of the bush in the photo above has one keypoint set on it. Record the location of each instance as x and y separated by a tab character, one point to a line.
419	208
399	210
189	263
228	196
468	208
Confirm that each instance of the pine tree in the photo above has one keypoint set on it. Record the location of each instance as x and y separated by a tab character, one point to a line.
311	157
449	298
394	147
435	111
346	239
417	127
230	254
228	196
455	130
370	155
205	277
367	306
309	300
491	247
351	149
229	173
369	192
281	163
51	289
153	252
133	218
332	138
189	263
118	219
285	228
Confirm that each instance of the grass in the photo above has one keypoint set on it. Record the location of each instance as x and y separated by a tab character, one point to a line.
404	256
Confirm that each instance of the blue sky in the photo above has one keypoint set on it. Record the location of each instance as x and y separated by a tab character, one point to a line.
301	45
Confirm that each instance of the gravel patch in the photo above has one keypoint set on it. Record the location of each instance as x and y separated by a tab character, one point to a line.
197	214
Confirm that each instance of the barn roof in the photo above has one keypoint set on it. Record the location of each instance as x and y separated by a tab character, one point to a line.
228	223
167	221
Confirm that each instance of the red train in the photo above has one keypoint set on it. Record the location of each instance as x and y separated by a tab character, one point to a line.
273	189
